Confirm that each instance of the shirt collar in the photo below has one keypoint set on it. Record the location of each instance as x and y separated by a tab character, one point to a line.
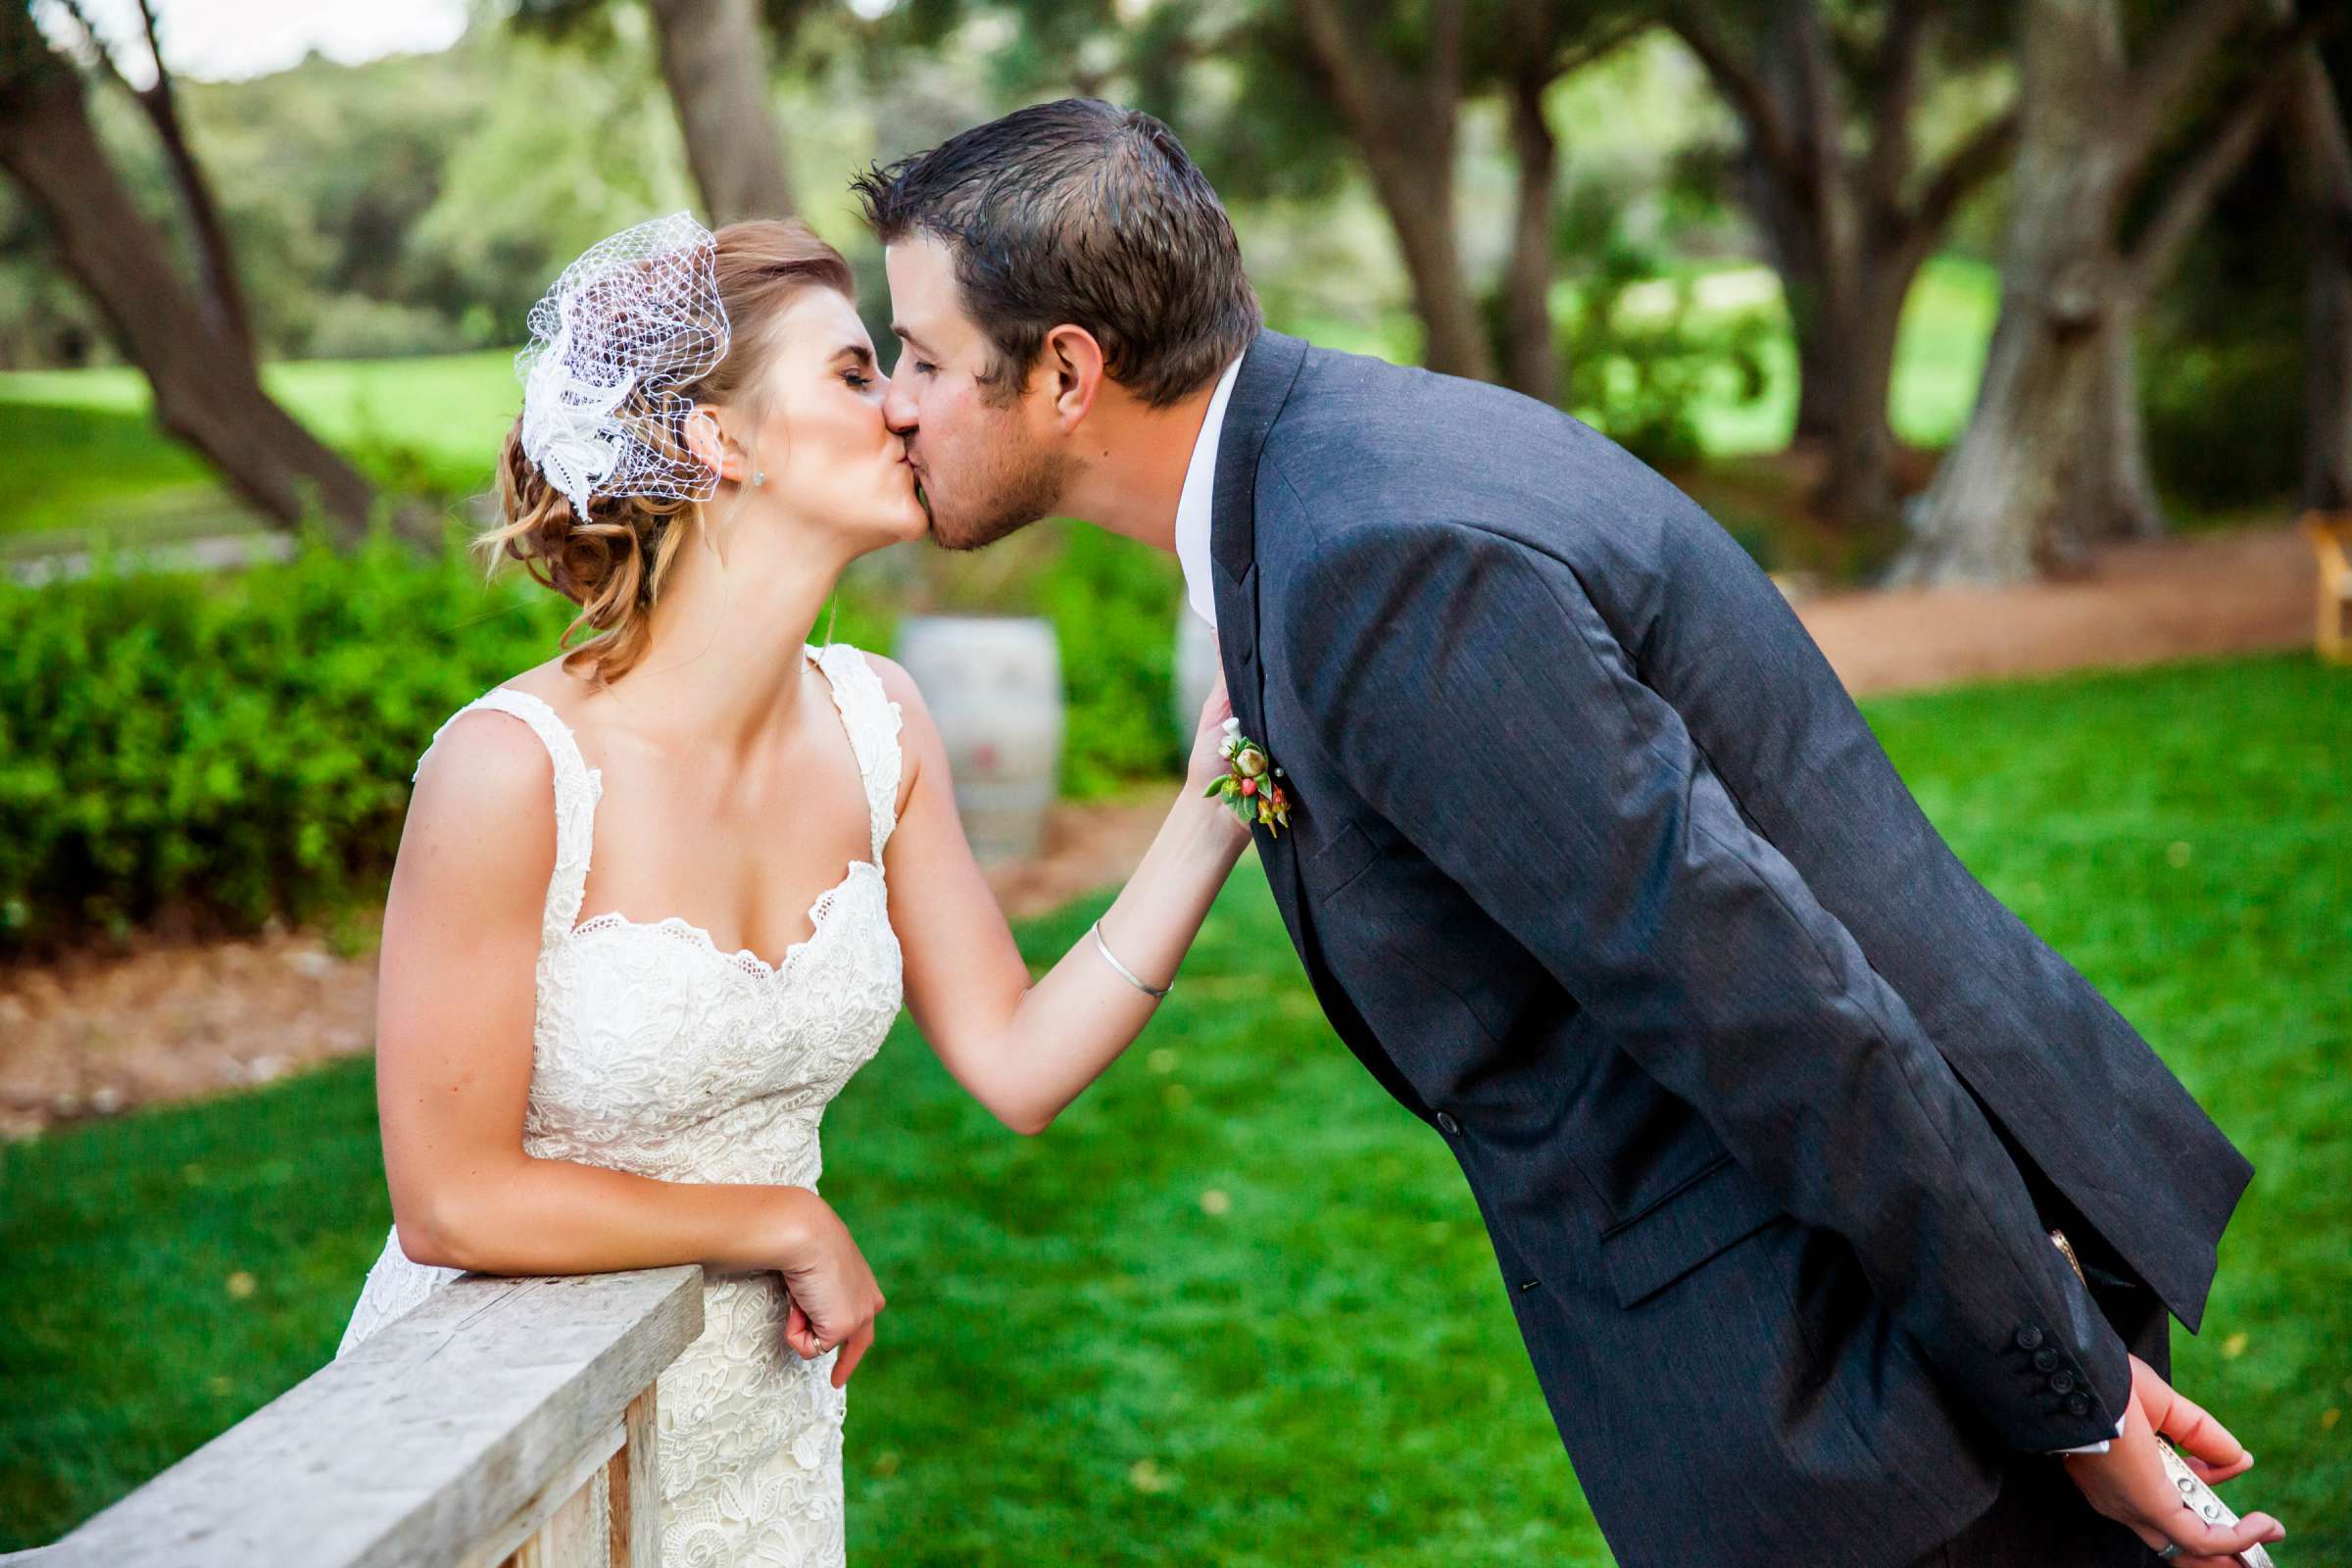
1193	503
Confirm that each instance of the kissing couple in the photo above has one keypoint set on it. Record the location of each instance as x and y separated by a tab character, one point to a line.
1842	1220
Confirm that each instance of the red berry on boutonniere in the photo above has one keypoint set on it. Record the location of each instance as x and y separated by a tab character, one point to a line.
1245	786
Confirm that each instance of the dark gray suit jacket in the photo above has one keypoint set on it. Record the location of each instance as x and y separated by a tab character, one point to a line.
1766	1102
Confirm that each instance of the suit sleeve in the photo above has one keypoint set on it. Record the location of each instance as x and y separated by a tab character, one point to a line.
1510	737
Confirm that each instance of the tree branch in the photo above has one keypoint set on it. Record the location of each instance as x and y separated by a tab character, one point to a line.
2156	88
218	291
1900	51
1772	138
1976	160
2194	187
1599	47
1360	81
1445	53
2322	153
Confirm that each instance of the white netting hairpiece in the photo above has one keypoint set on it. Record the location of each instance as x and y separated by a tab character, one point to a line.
637	316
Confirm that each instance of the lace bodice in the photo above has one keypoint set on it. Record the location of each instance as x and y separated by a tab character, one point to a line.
657	1052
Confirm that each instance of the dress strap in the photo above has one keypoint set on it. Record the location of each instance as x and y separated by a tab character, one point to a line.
873	722
578	787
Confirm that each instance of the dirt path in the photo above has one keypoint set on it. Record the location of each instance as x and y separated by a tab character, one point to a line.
2139	603
97	1035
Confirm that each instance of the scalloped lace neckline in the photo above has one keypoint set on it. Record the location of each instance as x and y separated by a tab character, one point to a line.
676	927
679	928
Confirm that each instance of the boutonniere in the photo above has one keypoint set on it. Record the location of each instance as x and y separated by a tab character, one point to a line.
1253	784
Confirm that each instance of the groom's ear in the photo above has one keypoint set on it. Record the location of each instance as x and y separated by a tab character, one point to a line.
1071	361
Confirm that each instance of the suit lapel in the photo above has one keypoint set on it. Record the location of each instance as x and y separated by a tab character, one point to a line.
1269	371
1267	374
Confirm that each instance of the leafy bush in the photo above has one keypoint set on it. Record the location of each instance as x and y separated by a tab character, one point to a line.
213	751
1641	363
206	753
1111	605
2224	417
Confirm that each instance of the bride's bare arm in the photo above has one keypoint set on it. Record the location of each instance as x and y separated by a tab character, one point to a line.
454	1020
1024	1048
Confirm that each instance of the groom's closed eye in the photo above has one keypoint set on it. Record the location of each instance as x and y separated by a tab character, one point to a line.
909	346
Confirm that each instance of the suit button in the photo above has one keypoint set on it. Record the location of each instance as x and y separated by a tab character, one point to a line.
2077	1405
2062	1381
2045	1359
2028	1338
1447	1125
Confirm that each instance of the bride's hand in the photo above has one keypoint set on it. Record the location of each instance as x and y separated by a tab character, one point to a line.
1206	763
834	1298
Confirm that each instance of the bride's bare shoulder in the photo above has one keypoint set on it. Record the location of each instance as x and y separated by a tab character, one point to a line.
488	777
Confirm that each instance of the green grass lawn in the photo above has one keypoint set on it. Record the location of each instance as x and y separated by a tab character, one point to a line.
78	449
1085	1361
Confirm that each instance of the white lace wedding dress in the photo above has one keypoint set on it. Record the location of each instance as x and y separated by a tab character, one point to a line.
656	1052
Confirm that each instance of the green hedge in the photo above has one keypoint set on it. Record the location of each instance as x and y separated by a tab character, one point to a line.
209	752
219	750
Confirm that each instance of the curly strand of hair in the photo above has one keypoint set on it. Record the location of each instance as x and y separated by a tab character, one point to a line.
611	563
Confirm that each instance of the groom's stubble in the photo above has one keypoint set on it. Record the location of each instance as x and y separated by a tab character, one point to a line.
1005	482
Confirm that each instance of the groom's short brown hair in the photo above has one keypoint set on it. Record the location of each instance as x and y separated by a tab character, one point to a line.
1080	212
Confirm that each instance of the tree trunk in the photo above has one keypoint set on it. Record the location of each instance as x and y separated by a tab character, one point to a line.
714	63
207	390
1834	230
1787	200
1790	249
1403	125
2124	493
1416	189
223	295
2055	454
1531	356
2323	158
1858	333
2024	473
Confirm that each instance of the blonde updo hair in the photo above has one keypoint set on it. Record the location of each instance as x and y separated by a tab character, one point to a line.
612	561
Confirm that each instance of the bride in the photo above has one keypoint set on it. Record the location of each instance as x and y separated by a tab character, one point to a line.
658	898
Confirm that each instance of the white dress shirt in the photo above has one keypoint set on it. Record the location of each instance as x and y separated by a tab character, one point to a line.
1195	503
2098	1447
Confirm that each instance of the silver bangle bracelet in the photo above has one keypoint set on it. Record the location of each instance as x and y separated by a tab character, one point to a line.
1125	973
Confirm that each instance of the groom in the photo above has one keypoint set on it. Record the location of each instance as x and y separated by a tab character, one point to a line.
1769	1107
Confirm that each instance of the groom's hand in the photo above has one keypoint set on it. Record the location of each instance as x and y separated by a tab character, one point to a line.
2128	1483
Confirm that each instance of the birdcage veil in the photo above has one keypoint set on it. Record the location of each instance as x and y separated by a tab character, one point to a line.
626	326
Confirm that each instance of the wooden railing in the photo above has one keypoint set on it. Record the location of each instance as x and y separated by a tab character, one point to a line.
503	1422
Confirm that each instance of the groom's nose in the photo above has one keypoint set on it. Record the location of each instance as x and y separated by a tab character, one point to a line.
899	406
